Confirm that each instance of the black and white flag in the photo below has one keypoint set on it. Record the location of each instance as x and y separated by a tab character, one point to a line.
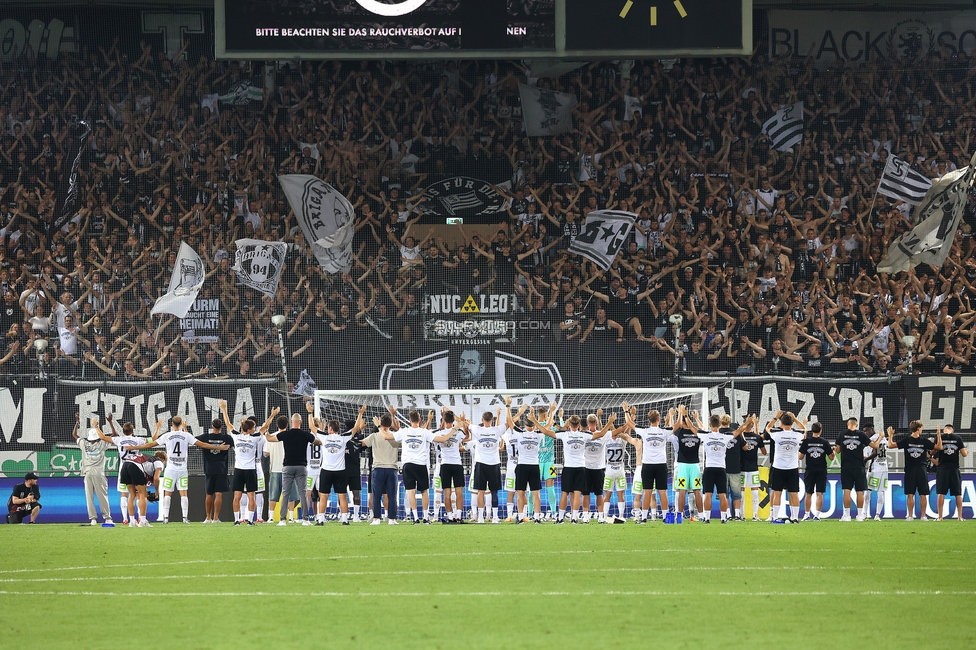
604	233
326	218
258	264
546	112
938	219
902	183
184	284
67	187
785	128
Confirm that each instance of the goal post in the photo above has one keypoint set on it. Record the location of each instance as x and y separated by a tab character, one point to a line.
344	405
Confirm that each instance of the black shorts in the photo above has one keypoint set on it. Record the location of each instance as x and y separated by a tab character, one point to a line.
594	480
815	481
487	477
574	479
354	482
654	477
948	481
217	482
853	478
452	476
916	480
715	480
527	476
132	474
245	480
332	480
18	516
784	479
415	477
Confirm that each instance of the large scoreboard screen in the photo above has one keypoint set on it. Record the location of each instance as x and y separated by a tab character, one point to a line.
390	28
428	29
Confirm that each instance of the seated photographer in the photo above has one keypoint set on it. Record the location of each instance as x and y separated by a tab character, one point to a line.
25	501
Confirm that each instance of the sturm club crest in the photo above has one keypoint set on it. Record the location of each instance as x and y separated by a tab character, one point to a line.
461	196
911	40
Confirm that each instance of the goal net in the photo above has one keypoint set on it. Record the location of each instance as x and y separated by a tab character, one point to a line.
344	406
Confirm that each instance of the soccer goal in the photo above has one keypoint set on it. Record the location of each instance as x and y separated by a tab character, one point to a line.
344	405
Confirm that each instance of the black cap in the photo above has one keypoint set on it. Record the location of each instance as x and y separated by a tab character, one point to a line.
30	476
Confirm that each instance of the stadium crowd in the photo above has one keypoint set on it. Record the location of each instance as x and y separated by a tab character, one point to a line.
770	257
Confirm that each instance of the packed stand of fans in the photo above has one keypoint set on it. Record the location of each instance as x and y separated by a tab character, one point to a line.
768	256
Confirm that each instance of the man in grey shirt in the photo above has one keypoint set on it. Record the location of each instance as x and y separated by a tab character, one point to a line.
385	454
93	469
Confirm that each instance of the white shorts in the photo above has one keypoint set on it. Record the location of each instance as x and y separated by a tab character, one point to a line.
174	478
311	479
638	483
436	480
121	487
510	476
615	479
878	479
260	471
750	481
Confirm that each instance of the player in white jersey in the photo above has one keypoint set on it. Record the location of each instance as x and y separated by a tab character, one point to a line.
714	478
511	462
527	476
177	442
574	462
332	477
247	458
120	485
487	439
130	472
595	457
415	442
785	472
615	477
877	464
653	441
450	473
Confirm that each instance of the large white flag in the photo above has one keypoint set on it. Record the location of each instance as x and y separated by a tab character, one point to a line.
604	232
184	285
325	216
258	264
902	183
938	219
785	128
546	112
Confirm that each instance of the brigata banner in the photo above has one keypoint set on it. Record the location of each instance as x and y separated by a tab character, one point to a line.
874	401
868	36
36	418
942	399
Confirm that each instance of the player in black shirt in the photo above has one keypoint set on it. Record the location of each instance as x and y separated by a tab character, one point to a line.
215	469
917	450
850	445
354	476
750	444
816	450
687	473
948	448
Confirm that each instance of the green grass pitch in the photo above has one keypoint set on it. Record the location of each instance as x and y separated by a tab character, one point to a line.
743	585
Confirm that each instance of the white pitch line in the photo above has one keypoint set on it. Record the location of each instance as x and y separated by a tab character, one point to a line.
335	574
477	594
421	555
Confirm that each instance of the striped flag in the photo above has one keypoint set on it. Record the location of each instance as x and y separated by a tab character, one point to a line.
939	215
785	128
902	183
